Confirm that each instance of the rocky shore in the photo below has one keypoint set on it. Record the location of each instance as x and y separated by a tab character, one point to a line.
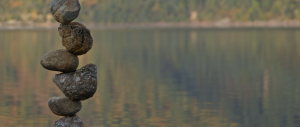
15	25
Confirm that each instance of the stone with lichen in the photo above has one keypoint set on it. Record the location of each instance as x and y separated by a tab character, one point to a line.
63	106
79	85
76	38
60	60
65	11
69	121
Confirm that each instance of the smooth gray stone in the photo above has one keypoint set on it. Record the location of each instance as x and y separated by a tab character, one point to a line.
69	121
63	106
65	11
76	38
60	60
79	85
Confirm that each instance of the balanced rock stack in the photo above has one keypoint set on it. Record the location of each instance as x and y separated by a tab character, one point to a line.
76	85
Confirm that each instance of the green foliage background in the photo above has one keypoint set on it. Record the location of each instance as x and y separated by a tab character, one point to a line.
160	10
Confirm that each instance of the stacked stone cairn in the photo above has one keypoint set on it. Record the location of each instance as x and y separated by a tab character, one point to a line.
76	85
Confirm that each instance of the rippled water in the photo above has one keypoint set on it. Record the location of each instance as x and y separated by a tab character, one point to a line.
161	78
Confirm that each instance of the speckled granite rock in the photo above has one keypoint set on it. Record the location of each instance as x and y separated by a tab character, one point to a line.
79	85
65	11
76	38
69	121
63	106
60	60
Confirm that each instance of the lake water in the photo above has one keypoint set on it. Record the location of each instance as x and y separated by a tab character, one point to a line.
161	78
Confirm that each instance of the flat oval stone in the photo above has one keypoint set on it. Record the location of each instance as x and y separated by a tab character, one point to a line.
60	60
79	85
63	106
65	11
69	121
76	38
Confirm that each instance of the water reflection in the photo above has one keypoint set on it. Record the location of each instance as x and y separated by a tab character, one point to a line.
161	78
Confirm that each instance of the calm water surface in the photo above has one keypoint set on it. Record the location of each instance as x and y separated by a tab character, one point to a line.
161	78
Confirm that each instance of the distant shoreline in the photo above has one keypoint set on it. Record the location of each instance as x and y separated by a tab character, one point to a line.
218	24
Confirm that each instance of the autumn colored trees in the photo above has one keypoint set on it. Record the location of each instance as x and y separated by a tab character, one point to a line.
108	11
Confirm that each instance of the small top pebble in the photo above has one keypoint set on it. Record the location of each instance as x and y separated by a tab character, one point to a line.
65	11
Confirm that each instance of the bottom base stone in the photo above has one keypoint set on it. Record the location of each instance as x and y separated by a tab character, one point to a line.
69	121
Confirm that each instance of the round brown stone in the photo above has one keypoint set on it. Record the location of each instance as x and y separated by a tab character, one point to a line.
76	38
63	106
60	60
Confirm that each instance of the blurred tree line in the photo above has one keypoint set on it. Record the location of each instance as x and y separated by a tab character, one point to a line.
158	10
